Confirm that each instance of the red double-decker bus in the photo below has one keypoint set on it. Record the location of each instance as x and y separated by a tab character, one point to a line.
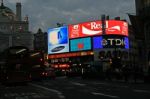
14	65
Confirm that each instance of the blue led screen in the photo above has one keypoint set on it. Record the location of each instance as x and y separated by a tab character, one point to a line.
110	41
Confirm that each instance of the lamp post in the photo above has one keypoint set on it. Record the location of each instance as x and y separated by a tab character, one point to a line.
146	26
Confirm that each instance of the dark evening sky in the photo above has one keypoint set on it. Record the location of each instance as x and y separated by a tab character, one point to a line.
45	14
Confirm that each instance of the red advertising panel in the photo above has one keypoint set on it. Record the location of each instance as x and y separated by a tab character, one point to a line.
95	28
116	27
85	29
73	54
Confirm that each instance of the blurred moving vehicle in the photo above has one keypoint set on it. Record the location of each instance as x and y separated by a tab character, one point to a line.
36	62
42	73
48	73
14	66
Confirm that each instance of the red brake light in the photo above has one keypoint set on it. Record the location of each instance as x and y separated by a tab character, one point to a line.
43	73
41	59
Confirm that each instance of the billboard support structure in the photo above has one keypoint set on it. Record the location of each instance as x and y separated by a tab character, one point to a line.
103	24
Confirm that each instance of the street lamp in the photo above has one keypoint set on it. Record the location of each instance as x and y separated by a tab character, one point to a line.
146	26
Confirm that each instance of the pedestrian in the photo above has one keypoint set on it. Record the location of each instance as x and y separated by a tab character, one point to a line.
125	71
108	72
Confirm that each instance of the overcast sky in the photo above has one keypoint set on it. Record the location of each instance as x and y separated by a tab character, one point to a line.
45	14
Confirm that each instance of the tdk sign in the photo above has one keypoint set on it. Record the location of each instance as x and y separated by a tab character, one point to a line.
113	42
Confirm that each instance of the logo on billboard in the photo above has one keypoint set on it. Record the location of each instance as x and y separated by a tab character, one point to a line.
95	28
85	29
74	31
111	41
116	27
58	48
92	28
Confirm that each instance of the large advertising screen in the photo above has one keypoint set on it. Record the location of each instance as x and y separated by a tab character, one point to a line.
116	27
80	44
58	41
93	28
111	41
85	29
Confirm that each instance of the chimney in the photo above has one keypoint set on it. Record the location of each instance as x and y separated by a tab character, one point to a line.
117	18
18	11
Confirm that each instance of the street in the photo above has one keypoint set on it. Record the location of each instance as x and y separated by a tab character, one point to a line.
76	88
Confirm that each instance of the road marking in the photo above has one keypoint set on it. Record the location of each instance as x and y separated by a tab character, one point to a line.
143	91
69	88
101	94
60	95
99	83
78	84
22	95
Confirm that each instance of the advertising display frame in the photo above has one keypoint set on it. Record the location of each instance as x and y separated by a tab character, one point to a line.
89	45
121	42
58	40
94	28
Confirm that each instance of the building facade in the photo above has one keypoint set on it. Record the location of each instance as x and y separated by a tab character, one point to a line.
40	41
13	30
142	12
96	41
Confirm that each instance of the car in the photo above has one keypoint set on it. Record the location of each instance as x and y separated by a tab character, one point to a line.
48	73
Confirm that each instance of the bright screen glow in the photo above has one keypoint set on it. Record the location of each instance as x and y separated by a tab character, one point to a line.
115	27
111	41
80	44
85	29
58	40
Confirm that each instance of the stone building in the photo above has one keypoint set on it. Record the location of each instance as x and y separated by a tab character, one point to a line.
40	41
13	30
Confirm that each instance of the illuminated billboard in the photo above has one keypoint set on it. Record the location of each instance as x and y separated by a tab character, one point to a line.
116	27
111	41
85	29
80	44
93	28
58	40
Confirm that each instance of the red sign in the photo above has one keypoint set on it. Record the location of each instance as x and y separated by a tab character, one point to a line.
116	27
85	29
70	54
95	28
